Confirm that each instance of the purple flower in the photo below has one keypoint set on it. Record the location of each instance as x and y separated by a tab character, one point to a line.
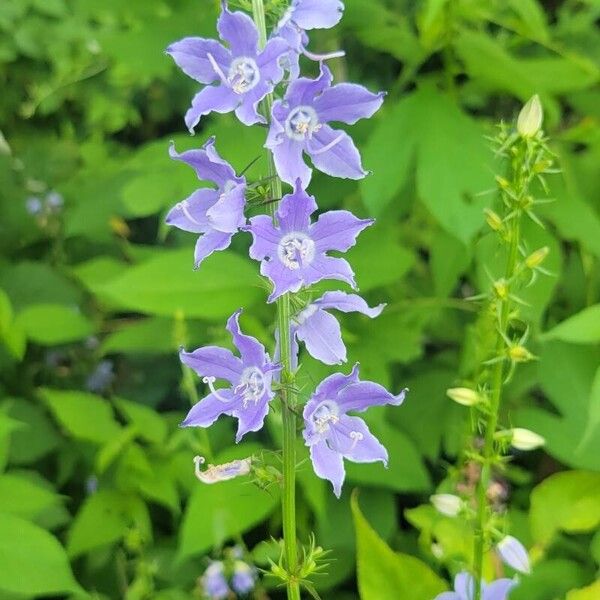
244	578
215	213
302	16
464	588
332	435
321	331
300	124
214	583
244	75
514	554
101	378
249	393
293	253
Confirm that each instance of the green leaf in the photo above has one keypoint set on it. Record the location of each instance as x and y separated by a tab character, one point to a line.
11	334
150	425
550	579
84	416
386	575
424	127
590	592
33	562
52	324
104	518
20	496
167	284
567	501
581	328
218	512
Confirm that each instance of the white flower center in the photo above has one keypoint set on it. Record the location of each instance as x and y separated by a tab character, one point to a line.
252	385
244	74
296	250
302	122
327	412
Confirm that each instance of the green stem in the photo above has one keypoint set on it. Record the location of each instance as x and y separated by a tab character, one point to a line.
491	425
287	393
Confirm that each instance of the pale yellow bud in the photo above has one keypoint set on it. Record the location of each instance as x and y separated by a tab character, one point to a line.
464	396
519	354
530	118
524	439
535	259
501	289
447	504
493	220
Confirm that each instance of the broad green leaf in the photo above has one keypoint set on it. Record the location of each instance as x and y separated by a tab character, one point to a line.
33	562
103	519
150	425
550	579
567	501
167	284
590	592
20	496
423	128
154	335
218	512
53	324
386	575
11	334
85	416
581	328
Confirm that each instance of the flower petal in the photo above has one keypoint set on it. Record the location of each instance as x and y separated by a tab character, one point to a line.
334	153
295	210
247	111
252	417
213	361
328	465
190	215
448	596
351	437
337	230
239	31
361	395
251	350
348	303
227	214
322	336
266	237
208	410
191	56
210	242
207	163
330	388
283	279
348	103
499	589
289	162
326	267
213	98
268	60
303	91
464	585
317	14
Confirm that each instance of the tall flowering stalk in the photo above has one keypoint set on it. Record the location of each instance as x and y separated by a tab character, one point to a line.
255	73
528	160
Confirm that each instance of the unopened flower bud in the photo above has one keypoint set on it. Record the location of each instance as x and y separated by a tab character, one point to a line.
502	182
530	118
464	396
493	220
524	439
519	354
447	504
535	259
437	551
514	554
501	288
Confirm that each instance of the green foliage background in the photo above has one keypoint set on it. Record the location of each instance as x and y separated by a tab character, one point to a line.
97	494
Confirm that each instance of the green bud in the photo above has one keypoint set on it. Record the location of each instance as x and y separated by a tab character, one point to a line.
535	259
530	118
493	220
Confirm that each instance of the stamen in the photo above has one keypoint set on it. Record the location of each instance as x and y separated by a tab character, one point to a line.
210	382
217	69
322	57
356	437
296	250
329	146
252	386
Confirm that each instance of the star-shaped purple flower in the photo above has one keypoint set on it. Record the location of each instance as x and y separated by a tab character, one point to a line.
321	332
244	74
249	393
464	588
302	16
293	253
215	213
300	124
332	435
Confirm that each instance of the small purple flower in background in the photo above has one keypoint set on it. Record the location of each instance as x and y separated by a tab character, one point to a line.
54	201
300	124
244	75
216	214
464	588
248	396
101	378
302	16
321	332
514	554
214	583
243	579
34	205
293	254
332	435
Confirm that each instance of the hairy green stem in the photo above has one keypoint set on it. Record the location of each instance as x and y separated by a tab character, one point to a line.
287	393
